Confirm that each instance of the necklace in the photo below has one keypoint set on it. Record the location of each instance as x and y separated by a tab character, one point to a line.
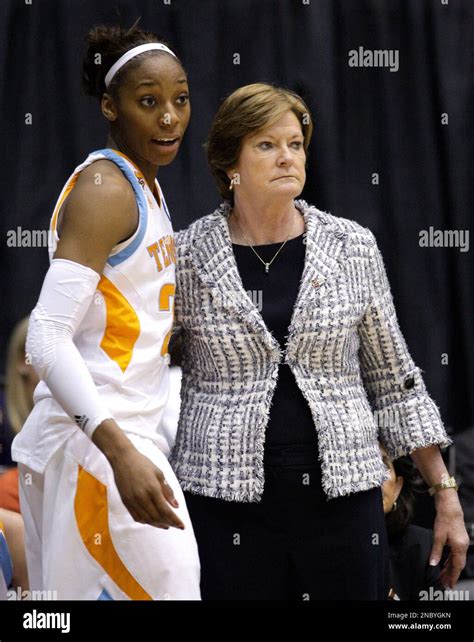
265	263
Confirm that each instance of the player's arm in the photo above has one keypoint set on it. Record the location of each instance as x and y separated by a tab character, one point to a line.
98	214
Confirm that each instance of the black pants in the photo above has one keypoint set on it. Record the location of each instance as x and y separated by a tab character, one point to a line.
294	544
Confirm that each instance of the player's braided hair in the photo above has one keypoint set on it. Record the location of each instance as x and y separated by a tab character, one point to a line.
105	45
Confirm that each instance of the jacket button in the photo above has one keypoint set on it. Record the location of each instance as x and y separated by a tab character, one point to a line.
409	382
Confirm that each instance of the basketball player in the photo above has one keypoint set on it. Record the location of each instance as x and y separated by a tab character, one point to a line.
104	515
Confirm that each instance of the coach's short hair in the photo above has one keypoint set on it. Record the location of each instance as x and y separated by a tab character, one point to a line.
246	111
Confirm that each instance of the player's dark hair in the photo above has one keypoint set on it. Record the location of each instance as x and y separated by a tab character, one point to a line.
105	45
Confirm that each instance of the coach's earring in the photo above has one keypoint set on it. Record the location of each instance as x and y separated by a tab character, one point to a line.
394	507
231	186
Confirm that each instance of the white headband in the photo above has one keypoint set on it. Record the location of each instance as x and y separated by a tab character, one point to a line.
131	53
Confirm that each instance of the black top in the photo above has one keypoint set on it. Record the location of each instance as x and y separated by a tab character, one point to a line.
274	294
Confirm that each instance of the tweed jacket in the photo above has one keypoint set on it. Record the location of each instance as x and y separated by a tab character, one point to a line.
344	347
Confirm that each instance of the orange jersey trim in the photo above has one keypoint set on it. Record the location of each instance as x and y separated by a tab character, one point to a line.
72	181
122	325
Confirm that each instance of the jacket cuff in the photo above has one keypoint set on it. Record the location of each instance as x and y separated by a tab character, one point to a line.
412	424
409	419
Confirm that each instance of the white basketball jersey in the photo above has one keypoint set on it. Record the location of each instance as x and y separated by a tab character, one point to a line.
124	335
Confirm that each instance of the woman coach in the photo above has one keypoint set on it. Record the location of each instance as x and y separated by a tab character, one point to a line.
278	398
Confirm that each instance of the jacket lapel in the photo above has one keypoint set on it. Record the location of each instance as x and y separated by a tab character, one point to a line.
324	242
216	266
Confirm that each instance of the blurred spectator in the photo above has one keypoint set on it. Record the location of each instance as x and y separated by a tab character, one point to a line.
21	380
13	571
410	545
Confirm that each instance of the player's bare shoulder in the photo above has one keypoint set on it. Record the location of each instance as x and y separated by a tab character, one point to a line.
102	187
100	212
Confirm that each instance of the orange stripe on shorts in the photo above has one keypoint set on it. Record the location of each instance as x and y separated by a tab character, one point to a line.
92	516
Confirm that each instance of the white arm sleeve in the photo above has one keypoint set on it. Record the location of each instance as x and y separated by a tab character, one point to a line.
65	297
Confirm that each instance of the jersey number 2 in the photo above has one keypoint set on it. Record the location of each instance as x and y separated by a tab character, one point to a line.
165	305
